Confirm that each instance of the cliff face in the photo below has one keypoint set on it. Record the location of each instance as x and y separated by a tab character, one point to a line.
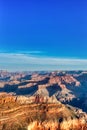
41	116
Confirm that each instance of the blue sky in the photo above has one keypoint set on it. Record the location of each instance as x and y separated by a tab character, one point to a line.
44	30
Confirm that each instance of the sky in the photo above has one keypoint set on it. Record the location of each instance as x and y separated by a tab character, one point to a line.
43	35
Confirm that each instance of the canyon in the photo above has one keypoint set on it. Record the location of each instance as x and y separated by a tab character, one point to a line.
43	100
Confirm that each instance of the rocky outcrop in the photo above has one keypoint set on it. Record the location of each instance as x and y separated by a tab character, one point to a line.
65	125
7	98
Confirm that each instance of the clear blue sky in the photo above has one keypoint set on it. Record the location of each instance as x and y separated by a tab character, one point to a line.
47	28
